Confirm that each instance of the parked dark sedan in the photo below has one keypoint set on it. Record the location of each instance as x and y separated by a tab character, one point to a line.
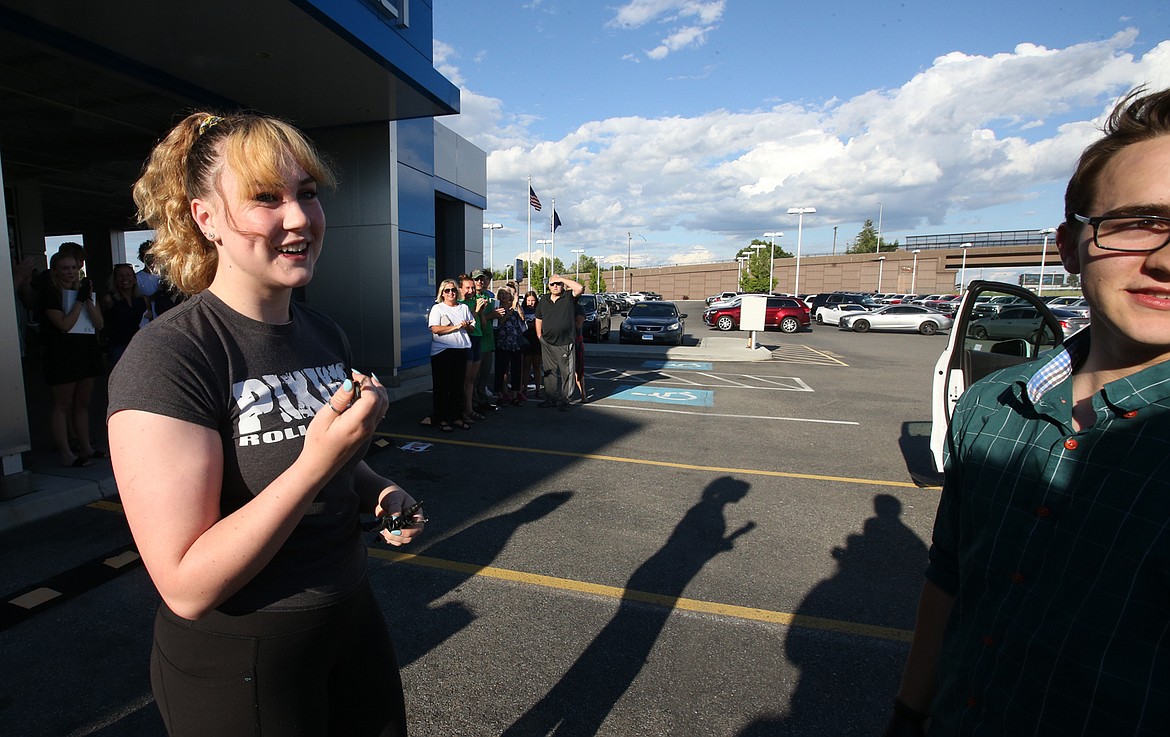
652	322
596	327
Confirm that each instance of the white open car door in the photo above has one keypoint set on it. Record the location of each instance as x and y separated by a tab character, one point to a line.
968	358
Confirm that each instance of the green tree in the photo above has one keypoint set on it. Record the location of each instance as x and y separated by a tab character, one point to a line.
539	270
867	241
754	276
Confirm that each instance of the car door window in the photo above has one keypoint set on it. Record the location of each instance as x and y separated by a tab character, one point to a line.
981	342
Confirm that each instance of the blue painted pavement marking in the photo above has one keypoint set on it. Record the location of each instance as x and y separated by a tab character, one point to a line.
663	395
678	365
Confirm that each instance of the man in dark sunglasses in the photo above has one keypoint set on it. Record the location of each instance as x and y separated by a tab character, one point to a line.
556	327
1046	608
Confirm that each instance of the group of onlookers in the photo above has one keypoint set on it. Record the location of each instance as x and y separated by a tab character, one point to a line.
80	335
503	338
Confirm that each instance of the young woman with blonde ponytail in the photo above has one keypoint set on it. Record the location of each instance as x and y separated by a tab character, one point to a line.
237	429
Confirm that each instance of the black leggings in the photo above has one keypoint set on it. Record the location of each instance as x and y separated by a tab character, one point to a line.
328	671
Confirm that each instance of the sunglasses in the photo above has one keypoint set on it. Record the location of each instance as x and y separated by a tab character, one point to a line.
451	290
556	284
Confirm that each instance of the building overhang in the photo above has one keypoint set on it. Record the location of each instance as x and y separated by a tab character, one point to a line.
86	88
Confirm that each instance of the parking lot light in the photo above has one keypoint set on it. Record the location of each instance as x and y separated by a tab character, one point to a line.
963	272
1043	253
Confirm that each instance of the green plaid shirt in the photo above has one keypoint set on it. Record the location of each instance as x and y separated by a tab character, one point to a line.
1056	545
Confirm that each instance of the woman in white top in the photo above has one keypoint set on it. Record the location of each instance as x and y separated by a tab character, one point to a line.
449	321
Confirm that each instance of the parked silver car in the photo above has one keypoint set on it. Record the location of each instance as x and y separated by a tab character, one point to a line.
898	317
1023	322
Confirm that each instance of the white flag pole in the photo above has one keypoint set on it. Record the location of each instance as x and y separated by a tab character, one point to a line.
528	207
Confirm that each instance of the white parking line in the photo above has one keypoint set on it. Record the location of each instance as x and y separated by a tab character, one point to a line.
740	381
719	414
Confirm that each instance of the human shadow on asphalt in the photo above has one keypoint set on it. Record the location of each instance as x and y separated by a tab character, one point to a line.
847	683
579	703
482	541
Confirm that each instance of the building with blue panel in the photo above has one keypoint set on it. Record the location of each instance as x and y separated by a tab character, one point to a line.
90	87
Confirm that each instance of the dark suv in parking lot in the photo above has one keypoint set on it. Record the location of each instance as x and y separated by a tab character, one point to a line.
596	327
836	298
787	313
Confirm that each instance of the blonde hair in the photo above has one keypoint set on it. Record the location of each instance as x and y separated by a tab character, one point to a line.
187	164
112	282
442	286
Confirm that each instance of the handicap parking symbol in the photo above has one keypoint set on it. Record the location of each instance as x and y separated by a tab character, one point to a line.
668	395
678	365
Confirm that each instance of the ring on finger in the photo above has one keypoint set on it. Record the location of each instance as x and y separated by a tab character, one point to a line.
338	411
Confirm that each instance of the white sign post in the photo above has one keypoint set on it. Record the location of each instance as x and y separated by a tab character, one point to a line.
752	310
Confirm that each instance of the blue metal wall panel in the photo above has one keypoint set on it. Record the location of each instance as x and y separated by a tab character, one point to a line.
416	294
416	201
406	51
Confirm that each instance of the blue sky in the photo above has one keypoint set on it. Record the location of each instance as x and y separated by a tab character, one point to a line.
695	124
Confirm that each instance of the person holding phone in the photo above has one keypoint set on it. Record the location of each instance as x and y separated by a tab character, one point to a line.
267	622
71	355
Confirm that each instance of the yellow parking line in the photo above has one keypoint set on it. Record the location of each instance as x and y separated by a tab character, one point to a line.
614	592
646	462
670	602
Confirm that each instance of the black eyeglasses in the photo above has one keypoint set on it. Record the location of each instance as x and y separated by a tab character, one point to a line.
556	284
1132	233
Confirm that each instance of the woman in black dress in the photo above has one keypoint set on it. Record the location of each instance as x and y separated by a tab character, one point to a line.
72	356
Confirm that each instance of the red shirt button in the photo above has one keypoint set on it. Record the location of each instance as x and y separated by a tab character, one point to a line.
988	640
1043	511
1130	414
1017	577
1070	443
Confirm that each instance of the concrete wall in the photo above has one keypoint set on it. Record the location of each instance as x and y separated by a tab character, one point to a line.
937	271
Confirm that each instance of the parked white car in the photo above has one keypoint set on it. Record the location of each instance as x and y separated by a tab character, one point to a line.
832	314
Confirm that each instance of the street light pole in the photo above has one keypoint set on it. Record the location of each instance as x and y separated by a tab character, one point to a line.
801	212
963	273
577	269
914	273
772	261
1043	255
544	274
739	275
879	233
491	228
881	263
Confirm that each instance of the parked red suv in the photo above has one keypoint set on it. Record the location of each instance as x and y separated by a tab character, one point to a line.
787	313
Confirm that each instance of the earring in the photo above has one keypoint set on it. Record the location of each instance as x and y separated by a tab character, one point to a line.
209	236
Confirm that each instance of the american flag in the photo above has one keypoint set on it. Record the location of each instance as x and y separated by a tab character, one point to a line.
533	199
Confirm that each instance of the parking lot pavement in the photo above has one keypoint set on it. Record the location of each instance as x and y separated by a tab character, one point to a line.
746	567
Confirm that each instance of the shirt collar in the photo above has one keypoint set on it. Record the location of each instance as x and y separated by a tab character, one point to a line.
1059	368
1131	392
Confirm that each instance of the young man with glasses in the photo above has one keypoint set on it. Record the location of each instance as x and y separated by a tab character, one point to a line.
556	327
1046	608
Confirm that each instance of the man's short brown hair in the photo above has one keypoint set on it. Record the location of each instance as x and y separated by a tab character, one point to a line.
1137	117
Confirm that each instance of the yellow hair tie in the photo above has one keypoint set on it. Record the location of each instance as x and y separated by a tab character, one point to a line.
210	122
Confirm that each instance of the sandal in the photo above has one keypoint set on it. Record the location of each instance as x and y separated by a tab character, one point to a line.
463	424
96	455
79	462
474	416
425	421
445	426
